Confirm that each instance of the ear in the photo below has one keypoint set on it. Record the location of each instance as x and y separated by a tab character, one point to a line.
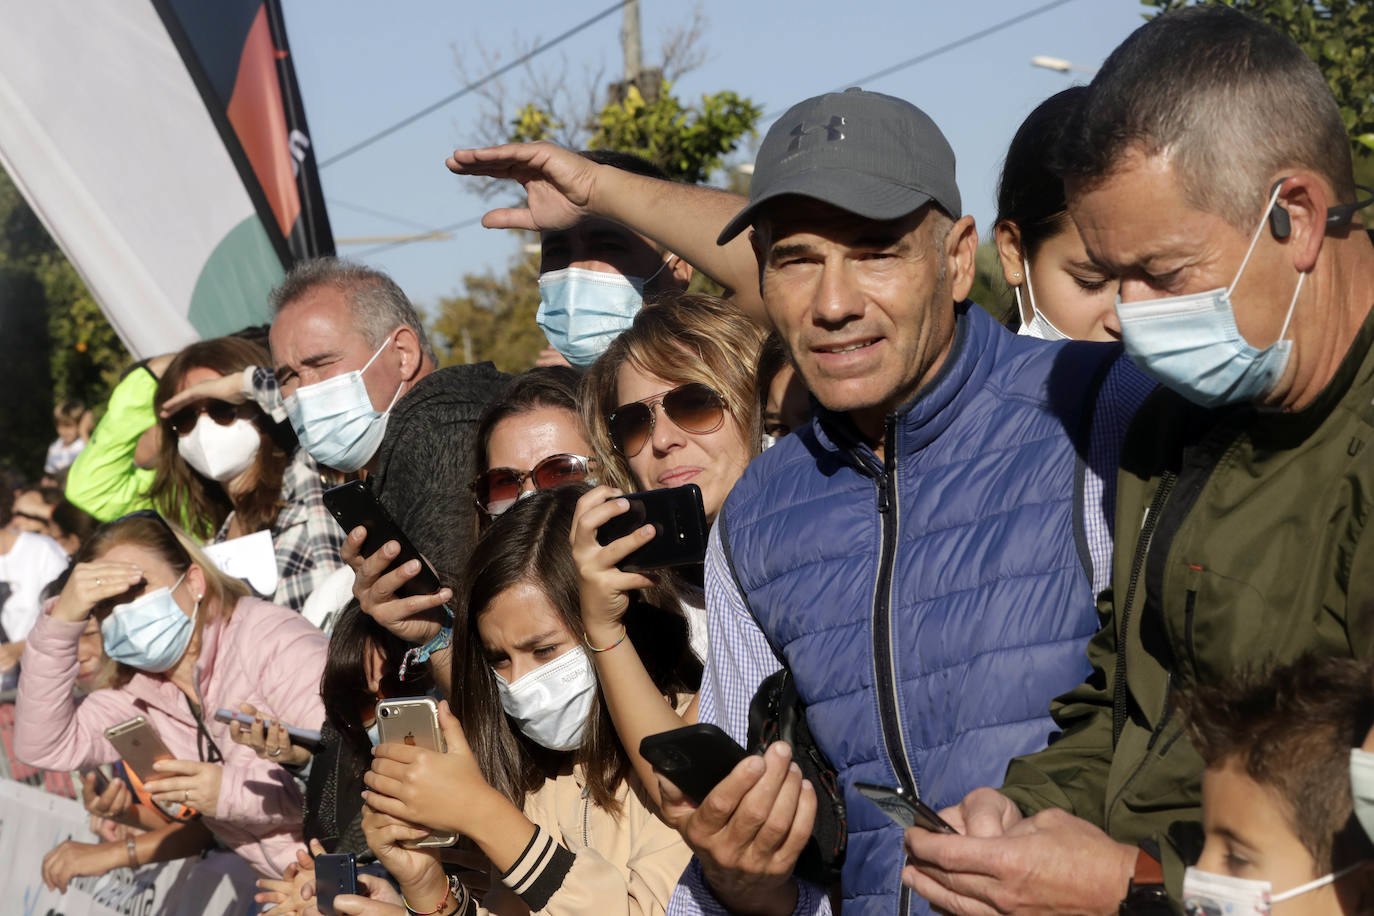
678	275
1305	197
412	355
374	667
1007	236
961	245
195	580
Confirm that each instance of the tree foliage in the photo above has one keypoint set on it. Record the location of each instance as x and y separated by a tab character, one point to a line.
1337	34
55	343
493	319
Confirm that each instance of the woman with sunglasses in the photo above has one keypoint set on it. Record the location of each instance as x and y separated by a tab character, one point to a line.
231	471
187	640
534	774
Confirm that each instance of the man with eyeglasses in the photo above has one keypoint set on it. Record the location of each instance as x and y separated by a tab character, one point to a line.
910	556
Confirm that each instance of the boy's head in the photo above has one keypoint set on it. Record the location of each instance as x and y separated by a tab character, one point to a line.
1276	802
67	418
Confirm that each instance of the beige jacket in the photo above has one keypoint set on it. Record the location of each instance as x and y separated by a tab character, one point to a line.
582	860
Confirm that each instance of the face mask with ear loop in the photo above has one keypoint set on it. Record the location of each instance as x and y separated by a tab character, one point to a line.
1039	326
582	311
1207	893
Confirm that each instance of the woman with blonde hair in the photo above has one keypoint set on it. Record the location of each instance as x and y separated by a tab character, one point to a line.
186	640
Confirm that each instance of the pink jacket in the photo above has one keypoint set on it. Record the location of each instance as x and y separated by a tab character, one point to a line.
265	655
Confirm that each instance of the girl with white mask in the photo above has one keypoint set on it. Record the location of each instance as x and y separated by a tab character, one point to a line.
228	470
185	640
535	775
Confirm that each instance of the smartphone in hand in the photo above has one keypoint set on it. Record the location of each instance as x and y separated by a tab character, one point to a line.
904	810
414	721
354	504
679	521
302	736
335	874
695	757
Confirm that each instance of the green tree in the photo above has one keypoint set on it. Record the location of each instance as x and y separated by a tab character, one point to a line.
1337	34
493	319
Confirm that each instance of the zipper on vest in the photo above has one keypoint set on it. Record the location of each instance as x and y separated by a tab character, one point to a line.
884	660
1142	550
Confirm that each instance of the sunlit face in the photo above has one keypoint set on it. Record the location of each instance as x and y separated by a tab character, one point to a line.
788	406
599	245
673	456
1136	224
315	338
521	631
1249	835
90	653
864	307
524	440
1070	290
156	574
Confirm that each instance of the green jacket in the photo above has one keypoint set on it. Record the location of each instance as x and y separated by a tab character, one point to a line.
1239	539
103	480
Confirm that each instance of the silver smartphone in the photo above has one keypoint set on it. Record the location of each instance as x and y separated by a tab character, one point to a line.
414	721
140	747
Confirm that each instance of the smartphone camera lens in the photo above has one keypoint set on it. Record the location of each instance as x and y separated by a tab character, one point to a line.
386	712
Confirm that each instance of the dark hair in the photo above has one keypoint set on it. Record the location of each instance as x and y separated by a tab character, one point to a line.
528	543
6	496
1291	729
178	490
1232	100
626	162
71	519
51	496
543	386
68	412
377	304
1029	193
343	685
772	358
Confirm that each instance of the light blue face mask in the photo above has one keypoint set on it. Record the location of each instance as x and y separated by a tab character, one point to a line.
150	633
1191	343
582	311
335	420
1362	788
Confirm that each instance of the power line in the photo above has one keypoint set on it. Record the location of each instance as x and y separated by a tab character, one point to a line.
428	109
942	49
390	217
453	227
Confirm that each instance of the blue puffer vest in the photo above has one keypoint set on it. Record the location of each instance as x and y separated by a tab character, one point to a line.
930	605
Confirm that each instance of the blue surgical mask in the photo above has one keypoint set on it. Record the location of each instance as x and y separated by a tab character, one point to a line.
582	311
150	633
335	420
1191	343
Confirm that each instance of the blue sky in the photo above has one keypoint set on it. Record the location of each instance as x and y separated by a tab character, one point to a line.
365	65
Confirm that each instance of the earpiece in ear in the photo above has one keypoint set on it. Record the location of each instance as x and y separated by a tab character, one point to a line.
1279	223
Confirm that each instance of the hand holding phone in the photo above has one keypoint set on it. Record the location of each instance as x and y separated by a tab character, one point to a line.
414	721
335	874
297	735
695	758
679	521
903	810
353	505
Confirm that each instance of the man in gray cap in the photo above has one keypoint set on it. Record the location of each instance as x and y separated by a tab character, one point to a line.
910	556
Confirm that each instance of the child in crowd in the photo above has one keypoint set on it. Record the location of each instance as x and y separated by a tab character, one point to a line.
67	417
1276	799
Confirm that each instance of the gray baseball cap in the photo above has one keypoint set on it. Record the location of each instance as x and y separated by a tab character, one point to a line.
872	154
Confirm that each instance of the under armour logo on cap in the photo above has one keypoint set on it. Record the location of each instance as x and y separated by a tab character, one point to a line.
832	132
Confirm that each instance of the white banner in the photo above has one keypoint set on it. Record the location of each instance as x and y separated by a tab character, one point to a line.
32	822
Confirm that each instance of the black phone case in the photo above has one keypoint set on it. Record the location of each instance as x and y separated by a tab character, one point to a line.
335	873
696	757
353	504
679	518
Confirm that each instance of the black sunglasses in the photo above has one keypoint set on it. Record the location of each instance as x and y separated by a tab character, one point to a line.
184	420
694	408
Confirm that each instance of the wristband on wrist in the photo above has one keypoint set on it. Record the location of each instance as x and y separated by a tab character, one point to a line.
452	890
132	849
420	654
623	633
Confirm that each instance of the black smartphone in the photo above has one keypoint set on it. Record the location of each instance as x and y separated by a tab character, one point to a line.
696	757
335	873
679	521
353	504
904	810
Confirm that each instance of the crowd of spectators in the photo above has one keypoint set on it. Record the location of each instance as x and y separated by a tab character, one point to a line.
1089	586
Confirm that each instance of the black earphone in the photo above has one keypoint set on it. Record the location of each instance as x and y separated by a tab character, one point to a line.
1337	217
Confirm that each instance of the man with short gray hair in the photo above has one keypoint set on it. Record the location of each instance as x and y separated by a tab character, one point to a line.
1210	171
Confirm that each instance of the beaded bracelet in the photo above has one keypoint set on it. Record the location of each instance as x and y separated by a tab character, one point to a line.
450	890
623	633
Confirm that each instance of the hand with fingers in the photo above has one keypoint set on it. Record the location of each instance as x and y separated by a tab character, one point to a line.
1052	862
444	792
558	183
187	782
290	895
379	898
268	739
748	832
227	388
91	583
386	836
603	585
71	859
113	802
415	619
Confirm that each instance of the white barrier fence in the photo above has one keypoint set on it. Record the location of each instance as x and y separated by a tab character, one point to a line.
33	822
